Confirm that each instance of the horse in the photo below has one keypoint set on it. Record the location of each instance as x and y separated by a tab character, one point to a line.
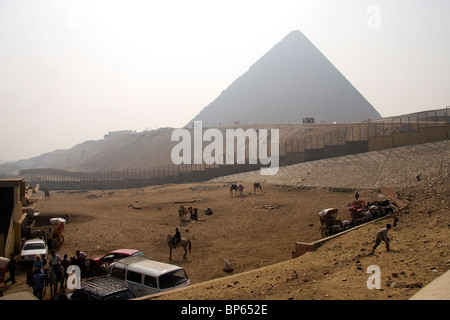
234	188
183	242
257	186
335	229
346	224
52	279
357	222
31	234
86	266
367	216
182	212
39	233
356	213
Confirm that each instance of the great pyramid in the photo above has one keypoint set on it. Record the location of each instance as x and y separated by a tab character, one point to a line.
292	81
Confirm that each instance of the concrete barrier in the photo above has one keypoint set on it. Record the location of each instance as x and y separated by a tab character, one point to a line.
438	289
302	247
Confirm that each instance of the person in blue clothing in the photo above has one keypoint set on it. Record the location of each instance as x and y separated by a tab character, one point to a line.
38	283
38	264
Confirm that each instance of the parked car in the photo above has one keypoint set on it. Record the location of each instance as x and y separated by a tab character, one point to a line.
115	255
101	288
145	276
33	247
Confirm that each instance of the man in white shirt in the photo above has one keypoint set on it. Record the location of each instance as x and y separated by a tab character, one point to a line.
55	263
382	236
82	257
55	259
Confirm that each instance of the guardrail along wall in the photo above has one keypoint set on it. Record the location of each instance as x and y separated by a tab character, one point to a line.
131	178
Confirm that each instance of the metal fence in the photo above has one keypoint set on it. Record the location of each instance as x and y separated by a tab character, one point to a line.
341	134
127	174
337	140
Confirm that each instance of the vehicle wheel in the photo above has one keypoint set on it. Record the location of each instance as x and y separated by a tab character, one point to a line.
56	242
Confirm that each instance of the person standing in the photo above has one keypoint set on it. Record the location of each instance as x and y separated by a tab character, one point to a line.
48	238
241	189
81	255
382	236
12	270
82	258
38	283
55	263
38	264
55	259
65	264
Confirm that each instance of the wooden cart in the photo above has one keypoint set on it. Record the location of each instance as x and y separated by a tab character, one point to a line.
58	225
327	220
4	262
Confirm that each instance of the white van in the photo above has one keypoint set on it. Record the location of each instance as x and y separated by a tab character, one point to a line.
145	276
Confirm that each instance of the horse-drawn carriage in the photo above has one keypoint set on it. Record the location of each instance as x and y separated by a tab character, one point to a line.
328	219
4	262
57	225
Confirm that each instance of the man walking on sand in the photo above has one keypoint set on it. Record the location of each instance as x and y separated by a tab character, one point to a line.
382	236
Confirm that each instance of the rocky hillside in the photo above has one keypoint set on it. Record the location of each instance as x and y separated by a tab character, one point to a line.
134	150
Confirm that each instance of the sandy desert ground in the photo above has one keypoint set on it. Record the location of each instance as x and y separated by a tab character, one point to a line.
257	232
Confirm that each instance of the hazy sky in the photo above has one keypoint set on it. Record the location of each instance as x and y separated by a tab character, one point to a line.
72	71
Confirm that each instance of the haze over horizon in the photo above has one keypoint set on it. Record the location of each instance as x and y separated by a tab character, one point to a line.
72	71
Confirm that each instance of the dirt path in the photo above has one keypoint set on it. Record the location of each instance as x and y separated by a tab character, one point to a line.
258	231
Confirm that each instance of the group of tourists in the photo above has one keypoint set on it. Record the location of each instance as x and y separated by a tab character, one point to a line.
37	276
58	265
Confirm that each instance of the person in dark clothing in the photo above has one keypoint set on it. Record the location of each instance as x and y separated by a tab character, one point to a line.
176	238
38	283
12	271
65	264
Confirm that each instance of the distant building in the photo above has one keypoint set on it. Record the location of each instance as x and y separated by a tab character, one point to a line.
116	133
308	120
